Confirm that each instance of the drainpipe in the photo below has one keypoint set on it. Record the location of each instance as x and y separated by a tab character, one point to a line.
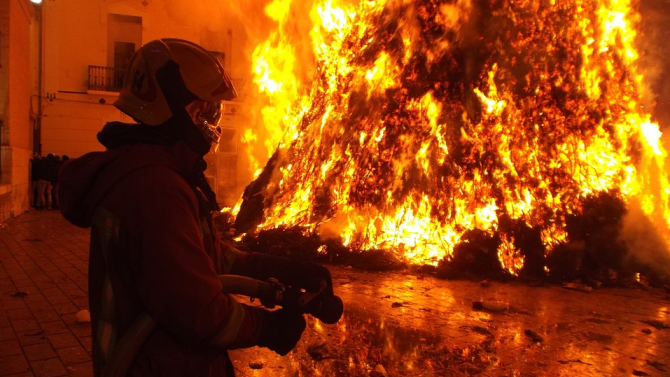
229	59
37	131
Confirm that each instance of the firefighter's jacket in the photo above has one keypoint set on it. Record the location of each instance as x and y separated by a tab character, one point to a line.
154	249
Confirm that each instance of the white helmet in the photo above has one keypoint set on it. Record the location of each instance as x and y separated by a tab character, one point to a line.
167	75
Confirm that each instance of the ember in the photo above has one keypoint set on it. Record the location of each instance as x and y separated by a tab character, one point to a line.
503	138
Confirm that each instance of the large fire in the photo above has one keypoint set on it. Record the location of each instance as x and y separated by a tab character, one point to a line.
425	120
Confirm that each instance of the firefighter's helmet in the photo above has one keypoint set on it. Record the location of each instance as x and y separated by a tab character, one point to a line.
167	76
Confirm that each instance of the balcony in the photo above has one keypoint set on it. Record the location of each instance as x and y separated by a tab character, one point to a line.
108	79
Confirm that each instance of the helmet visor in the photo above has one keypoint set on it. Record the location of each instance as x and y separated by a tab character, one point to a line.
206	116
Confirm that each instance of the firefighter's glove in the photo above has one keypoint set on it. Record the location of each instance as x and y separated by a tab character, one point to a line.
311	276
281	330
294	273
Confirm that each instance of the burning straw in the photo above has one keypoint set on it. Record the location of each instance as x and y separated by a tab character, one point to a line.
502	137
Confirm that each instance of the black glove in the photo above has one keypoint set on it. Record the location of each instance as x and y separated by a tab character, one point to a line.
294	273
281	330
309	275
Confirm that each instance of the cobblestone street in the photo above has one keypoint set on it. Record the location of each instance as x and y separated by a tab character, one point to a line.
407	324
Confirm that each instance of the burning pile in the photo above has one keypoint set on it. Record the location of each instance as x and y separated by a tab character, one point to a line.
507	136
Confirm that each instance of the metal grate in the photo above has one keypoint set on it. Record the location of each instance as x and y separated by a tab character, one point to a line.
108	79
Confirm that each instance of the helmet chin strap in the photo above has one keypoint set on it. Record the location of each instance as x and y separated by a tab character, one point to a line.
177	96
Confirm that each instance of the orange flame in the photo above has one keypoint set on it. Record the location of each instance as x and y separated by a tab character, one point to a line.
382	147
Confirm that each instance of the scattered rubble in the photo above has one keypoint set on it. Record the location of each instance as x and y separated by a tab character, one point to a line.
659	325
83	316
481	330
490	305
656	364
452	339
577	286
318	352
535	337
579	361
597	284
379	371
256	365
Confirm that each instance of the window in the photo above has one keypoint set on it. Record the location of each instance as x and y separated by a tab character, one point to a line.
124	35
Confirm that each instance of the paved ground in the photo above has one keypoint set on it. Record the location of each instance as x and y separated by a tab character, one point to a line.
408	324
43	284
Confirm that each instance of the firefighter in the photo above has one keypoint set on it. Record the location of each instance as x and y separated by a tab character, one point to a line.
154	249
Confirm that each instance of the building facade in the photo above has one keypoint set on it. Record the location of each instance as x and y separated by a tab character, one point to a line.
17	100
61	67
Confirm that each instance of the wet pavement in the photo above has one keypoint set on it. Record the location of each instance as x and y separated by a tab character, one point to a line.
407	324
415	325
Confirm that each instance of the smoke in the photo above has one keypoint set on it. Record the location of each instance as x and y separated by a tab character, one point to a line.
645	244
333	228
653	33
262	19
640	233
207	14
279	32
255	24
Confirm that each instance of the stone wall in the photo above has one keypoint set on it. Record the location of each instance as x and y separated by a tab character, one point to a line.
4	72
18	78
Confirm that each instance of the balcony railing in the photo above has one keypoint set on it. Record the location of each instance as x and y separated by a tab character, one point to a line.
108	79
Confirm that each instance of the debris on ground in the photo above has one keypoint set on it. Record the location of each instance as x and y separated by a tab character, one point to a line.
83	316
535	337
20	294
490	305
646	331
479	330
595	283
656	364
484	283
396	304
656	324
379	371
256	365
577	286
317	351
579	361
640	373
